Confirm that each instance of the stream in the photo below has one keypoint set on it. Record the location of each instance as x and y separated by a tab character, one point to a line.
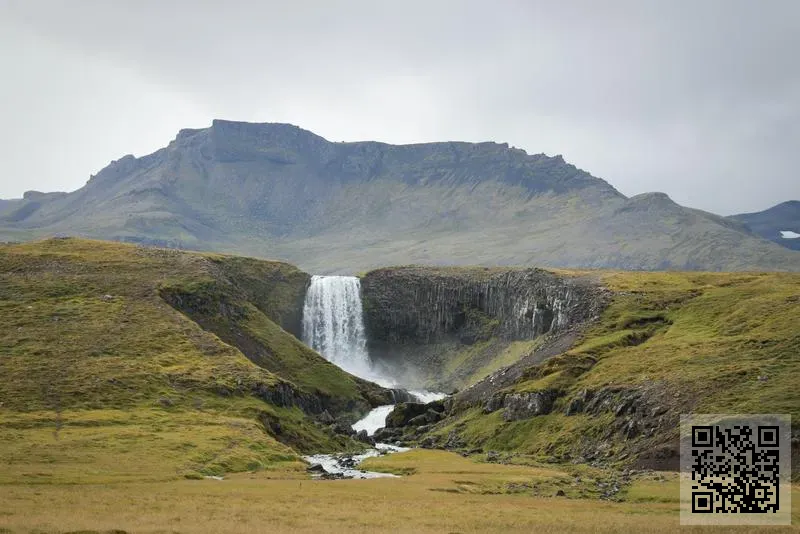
333	325
343	465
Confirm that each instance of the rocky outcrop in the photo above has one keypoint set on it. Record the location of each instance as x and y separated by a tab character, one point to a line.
518	406
410	420
404	413
424	305
284	395
419	319
645	419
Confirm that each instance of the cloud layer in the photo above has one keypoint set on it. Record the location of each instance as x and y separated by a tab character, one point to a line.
700	100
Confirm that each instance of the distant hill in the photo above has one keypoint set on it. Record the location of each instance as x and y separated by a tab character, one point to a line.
8	205
780	224
278	191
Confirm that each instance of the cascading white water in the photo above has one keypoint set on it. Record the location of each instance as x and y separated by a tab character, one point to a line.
333	326
333	323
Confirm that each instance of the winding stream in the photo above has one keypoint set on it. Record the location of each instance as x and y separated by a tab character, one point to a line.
344	465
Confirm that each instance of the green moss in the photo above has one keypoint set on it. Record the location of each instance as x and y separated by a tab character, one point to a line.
713	342
508	355
719	333
92	353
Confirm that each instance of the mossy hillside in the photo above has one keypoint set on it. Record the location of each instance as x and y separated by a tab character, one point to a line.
465	365
720	342
85	331
692	342
221	307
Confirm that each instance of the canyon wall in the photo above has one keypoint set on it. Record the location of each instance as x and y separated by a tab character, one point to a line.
441	326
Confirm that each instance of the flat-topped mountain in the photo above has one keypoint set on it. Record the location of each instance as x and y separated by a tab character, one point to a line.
276	190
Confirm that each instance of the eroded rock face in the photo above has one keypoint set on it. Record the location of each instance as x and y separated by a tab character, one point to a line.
404	413
424	305
418	319
645	417
525	405
518	406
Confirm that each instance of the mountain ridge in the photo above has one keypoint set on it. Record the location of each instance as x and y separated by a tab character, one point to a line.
773	222
277	190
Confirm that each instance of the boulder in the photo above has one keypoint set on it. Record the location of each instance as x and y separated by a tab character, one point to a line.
326	418
366	438
454	441
420	420
403	413
315	468
348	462
494	403
578	403
428	443
387	434
343	428
525	405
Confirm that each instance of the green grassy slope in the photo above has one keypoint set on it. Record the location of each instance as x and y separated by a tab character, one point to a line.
101	378
669	343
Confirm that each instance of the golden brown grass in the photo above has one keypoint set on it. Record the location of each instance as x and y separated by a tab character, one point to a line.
431	500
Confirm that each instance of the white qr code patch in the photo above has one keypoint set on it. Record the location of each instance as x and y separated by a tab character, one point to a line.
735	469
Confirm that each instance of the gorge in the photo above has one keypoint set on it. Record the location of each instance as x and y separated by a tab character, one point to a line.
551	376
333	325
420	320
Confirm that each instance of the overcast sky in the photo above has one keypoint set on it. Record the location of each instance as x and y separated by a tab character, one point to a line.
698	99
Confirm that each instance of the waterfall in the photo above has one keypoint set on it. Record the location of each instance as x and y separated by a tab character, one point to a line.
333	324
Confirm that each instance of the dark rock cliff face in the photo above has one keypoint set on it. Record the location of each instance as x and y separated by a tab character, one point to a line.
418	317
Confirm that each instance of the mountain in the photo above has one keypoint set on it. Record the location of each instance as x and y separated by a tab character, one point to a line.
780	224
278	191
8	205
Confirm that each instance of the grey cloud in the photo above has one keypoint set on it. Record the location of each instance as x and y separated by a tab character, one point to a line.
697	99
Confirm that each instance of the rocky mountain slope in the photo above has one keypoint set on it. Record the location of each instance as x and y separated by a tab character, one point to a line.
275	190
780	224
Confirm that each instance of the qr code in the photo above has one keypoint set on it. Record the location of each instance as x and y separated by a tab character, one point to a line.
735	465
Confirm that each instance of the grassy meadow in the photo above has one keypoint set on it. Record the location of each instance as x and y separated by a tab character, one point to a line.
439	492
